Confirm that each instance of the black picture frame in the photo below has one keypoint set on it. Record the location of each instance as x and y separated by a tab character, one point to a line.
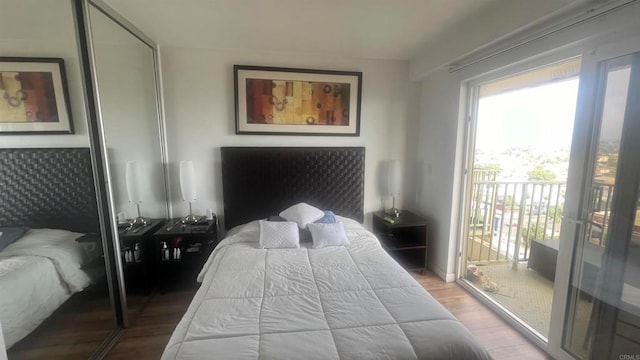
34	97
291	101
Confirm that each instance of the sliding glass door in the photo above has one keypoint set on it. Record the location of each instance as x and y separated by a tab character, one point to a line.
584	249
602	317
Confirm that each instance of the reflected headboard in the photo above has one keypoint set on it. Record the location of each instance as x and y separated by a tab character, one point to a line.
48	187
258	182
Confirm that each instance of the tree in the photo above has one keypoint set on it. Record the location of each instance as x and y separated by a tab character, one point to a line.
539	173
555	212
533	232
508	201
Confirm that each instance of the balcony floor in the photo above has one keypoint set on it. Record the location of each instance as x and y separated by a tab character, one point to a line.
523	292
528	296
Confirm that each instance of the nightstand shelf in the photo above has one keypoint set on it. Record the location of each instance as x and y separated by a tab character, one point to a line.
139	275
195	243
405	239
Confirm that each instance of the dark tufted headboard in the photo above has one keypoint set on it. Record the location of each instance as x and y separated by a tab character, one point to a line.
259	182
48	188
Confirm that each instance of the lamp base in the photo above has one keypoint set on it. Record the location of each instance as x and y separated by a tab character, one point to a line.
139	221
393	212
192	219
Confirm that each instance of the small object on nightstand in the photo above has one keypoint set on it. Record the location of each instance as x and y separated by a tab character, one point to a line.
170	227
125	255
165	252
137	253
193	248
389	219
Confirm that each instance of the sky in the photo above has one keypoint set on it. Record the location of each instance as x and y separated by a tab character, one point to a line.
539	117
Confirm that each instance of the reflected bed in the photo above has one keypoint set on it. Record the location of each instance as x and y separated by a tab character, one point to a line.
49	191
38	273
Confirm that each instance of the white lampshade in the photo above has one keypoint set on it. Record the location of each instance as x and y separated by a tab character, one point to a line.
393	178
187	181
133	179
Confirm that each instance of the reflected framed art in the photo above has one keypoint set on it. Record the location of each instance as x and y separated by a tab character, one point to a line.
34	98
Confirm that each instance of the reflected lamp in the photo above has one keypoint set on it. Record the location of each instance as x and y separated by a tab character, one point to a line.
133	179
188	188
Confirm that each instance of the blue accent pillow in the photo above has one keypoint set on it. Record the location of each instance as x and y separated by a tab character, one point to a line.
10	235
328	218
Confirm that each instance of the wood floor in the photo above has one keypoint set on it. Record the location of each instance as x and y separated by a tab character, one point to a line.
498	337
152	326
72	332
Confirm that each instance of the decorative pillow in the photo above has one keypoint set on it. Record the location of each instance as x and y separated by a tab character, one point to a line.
328	218
303	214
328	234
9	235
277	235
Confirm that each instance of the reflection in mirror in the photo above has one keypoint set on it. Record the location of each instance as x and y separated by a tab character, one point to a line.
126	83
54	296
127	93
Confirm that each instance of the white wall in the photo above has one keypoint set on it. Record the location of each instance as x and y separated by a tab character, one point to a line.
498	20
127	90
442	127
200	117
45	28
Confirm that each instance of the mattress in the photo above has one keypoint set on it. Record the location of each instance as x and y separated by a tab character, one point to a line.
344	302
38	273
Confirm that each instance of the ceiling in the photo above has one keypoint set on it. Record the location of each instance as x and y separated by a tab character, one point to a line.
378	29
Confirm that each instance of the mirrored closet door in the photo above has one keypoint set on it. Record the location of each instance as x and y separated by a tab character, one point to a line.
126	93
57	295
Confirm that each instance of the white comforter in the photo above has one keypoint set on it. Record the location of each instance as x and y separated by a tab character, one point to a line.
38	273
351	302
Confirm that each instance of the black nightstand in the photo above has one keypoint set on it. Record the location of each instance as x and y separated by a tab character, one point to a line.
139	270
195	243
405	239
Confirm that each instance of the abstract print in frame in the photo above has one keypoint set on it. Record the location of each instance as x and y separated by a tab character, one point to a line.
286	101
34	98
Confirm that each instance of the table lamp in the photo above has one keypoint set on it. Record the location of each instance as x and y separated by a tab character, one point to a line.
393	185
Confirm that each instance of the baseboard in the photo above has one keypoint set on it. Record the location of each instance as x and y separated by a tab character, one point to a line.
442	274
451	277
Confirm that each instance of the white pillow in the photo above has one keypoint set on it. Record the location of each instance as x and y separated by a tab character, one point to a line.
328	234
275	235
303	214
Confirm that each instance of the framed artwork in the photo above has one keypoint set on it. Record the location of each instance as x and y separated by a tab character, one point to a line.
34	98
285	101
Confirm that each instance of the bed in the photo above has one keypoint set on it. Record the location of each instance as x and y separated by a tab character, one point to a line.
50	193
336	302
